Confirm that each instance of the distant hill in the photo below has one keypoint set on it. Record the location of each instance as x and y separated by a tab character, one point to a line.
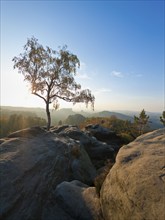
9	110
109	114
154	118
62	114
56	116
76	119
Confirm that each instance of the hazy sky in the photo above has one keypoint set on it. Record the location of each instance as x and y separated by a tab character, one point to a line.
120	45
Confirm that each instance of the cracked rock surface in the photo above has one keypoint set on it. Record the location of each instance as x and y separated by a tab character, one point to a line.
50	176
32	163
134	189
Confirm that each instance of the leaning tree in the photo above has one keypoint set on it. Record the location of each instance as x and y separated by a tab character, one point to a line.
51	74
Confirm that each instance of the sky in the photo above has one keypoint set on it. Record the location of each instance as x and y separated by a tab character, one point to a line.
120	45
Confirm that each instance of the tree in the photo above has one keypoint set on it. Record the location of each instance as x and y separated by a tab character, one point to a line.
60	123
141	122
51	75
162	118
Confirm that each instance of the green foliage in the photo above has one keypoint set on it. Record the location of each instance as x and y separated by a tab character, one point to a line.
124	129
51	75
126	137
16	122
141	122
162	118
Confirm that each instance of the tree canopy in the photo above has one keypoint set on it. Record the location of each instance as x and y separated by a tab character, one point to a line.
51	75
162	118
141	122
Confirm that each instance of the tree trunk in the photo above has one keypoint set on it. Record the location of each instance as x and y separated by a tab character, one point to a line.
48	116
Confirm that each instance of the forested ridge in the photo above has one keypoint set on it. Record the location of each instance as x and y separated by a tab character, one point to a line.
16	118
14	122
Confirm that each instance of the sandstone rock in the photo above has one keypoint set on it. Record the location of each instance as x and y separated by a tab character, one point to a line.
75	133
97	128
2	140
98	151
103	134
32	163
78	200
28	132
58	129
135	187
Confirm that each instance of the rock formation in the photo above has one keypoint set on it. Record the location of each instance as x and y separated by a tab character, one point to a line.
103	134
98	151
79	200
50	176
33	162
135	186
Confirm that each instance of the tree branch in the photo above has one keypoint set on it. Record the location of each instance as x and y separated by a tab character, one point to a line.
63	98
34	93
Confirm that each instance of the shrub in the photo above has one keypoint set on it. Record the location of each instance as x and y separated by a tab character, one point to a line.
126	138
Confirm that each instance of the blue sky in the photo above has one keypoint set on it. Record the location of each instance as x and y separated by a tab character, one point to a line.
120	45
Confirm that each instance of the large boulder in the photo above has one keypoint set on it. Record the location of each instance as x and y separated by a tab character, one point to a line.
135	186
75	133
27	132
79	200
98	151
32	163
58	129
104	134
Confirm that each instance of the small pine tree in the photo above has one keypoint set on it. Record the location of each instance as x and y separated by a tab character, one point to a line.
141	122
60	123
162	118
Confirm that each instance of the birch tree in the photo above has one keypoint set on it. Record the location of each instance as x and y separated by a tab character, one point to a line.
51	74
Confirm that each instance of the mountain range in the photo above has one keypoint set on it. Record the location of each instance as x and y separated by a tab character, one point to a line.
62	114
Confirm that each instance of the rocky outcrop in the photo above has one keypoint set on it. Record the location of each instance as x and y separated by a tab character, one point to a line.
104	134
78	200
135	186
50	176
32	163
98	151
28	132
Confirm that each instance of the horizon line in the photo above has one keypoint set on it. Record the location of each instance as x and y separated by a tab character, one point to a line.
115	110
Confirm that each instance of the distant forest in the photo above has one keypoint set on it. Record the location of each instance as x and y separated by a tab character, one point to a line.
14	122
16	118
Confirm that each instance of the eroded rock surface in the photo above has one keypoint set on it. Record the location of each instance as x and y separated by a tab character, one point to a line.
98	151
50	176
104	134
78	200
32	163
135	187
